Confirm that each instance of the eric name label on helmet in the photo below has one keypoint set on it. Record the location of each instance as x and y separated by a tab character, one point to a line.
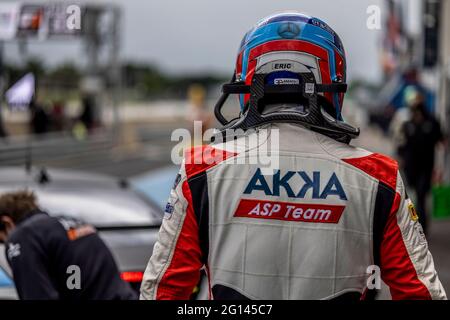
282	66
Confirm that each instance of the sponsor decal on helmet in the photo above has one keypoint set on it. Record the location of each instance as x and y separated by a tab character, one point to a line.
337	41
288	30
309	87
282	77
322	25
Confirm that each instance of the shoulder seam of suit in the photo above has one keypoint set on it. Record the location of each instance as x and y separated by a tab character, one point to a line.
378	166
201	158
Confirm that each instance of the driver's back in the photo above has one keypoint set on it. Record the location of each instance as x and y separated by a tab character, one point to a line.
308	225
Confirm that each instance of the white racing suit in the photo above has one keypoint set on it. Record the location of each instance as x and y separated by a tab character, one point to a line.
311	229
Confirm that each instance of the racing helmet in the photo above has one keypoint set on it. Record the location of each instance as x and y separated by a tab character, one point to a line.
292	50
291	43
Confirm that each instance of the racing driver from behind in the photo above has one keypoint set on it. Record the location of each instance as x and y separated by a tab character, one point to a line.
315	225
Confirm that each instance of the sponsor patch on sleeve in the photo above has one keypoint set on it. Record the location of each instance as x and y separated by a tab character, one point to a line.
13	250
75	228
170	205
177	181
168	210
80	232
412	211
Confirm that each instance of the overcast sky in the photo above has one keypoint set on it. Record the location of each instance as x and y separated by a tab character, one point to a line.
201	35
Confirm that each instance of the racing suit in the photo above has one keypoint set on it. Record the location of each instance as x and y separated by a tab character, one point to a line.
308	230
47	254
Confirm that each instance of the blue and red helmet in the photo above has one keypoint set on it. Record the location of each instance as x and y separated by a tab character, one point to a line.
289	41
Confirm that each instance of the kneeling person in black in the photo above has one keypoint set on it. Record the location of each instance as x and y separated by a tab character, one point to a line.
56	257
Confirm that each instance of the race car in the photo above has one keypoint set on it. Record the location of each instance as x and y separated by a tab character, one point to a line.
126	219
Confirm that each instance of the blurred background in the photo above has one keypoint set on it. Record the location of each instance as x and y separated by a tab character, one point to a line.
92	90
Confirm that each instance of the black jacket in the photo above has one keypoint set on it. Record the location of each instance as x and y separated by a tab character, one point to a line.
419	145
62	258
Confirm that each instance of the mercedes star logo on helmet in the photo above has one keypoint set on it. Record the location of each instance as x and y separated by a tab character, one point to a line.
289	30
